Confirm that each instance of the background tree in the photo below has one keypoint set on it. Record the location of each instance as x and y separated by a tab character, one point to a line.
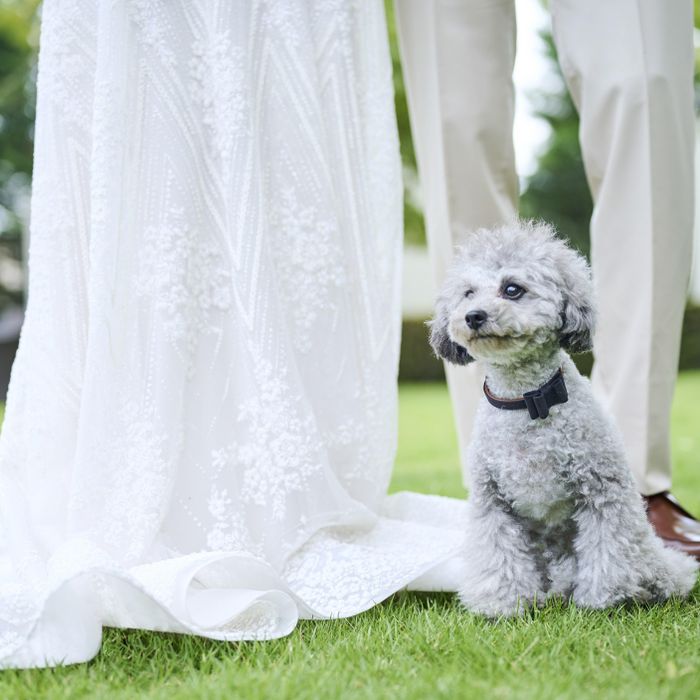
558	191
414	226
18	42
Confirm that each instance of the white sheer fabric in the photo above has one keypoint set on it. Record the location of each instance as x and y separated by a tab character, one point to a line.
202	415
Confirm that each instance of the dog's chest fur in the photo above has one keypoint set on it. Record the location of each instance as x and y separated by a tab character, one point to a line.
530	469
537	468
534	488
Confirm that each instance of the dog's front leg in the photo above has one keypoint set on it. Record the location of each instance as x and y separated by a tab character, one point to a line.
501	573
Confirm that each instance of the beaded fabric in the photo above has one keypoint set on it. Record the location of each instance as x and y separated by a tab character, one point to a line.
201	421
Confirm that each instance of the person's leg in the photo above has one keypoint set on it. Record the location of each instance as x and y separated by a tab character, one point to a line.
457	58
629	67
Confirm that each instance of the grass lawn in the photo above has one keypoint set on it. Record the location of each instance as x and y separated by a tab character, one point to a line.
414	645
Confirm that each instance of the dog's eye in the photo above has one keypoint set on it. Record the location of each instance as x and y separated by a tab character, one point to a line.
513	291
468	293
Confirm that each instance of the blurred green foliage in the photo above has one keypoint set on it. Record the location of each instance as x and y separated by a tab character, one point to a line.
16	83
558	191
18	42
417	363
414	226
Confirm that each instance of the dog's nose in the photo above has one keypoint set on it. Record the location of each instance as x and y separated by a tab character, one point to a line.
475	319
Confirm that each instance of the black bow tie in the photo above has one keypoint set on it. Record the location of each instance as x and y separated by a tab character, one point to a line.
537	402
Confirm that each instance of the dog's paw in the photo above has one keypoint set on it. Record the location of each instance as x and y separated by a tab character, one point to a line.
665	573
679	573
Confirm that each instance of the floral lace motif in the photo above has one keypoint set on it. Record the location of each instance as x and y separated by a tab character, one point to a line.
185	278
308	262
200	425
150	19
282	453
219	87
229	531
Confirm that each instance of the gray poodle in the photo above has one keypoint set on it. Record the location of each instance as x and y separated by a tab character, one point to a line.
553	508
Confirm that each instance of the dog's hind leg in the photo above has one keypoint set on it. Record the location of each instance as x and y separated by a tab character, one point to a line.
502	576
619	558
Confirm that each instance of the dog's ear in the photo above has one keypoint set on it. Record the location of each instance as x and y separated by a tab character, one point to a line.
443	346
577	313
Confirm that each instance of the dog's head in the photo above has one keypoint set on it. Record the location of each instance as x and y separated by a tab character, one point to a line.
510	291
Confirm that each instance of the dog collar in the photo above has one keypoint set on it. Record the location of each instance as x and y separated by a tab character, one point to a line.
537	402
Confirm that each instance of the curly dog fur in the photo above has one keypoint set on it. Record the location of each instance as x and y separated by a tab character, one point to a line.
553	508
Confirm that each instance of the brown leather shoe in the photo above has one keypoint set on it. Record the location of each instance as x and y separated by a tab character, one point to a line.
673	523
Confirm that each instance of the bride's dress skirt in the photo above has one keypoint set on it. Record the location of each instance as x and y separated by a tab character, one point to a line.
201	423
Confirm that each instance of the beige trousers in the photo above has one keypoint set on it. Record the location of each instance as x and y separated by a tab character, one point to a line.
629	67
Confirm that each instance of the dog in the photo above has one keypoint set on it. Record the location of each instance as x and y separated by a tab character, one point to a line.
553	509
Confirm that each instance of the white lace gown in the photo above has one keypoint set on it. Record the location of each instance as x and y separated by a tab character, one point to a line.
202	415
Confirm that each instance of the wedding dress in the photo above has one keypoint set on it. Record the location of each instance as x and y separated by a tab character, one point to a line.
201	422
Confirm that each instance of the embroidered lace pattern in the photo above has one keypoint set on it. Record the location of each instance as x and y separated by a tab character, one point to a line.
201	421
